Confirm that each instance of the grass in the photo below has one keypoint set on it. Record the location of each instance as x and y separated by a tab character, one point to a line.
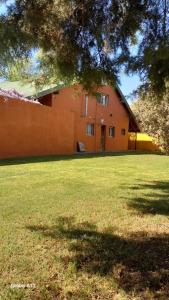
85	227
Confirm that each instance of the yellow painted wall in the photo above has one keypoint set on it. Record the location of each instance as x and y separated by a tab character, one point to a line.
141	141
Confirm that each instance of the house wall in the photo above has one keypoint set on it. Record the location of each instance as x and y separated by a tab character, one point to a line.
28	129
73	98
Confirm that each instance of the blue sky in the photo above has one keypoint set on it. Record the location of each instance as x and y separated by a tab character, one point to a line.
128	83
3	6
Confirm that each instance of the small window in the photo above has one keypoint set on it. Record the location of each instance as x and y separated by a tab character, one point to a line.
105	100
90	129
102	99
123	131
112	131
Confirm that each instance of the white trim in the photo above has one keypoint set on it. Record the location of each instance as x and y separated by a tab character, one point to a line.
86	104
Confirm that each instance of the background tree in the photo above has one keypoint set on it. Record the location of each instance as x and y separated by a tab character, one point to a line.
17	69
90	40
152	115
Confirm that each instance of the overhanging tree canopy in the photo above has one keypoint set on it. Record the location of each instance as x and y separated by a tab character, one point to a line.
89	39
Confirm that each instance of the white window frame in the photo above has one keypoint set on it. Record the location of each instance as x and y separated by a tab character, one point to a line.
90	129
103	99
112	131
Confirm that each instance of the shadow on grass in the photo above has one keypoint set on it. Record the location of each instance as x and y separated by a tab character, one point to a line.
138	263
35	159
154	202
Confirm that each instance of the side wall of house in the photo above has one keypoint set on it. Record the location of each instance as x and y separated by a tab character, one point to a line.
113	115
28	129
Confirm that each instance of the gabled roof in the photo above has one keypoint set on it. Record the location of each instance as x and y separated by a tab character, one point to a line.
29	90
7	95
24	89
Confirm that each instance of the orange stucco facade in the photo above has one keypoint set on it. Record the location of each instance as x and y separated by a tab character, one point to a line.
56	126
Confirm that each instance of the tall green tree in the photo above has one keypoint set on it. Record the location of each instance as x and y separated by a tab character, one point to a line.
90	40
152	114
152	59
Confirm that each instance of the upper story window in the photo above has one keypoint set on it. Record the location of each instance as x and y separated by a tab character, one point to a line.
90	129
103	82
112	131
123	131
102	99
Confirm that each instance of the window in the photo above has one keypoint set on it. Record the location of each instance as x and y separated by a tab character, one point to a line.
112	131
86	104
123	131
90	129
103	82
102	99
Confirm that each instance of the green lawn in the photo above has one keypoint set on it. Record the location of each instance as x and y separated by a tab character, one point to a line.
85	227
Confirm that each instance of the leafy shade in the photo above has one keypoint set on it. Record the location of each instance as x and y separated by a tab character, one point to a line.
89	40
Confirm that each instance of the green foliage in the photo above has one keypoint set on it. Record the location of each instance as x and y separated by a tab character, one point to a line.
20	69
152	113
89	40
152	60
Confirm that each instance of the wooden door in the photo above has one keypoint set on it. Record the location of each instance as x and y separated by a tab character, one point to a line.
103	138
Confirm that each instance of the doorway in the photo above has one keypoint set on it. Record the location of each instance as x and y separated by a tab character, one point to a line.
103	138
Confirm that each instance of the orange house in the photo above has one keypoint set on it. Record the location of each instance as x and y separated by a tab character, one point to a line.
67	120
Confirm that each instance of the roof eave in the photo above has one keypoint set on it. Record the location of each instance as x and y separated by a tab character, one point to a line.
126	105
